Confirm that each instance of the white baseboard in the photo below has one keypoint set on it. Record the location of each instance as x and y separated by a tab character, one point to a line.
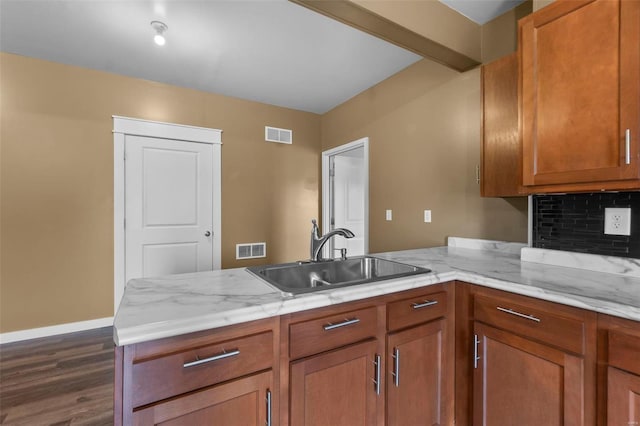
34	333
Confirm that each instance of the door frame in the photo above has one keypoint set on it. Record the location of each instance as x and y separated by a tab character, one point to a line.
326	195
123	126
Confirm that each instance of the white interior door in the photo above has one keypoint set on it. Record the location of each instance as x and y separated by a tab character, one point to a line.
348	184
168	207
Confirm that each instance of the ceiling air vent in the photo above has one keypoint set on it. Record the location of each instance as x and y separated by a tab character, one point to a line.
274	134
251	250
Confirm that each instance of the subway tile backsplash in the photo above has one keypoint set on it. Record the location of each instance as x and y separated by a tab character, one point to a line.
575	222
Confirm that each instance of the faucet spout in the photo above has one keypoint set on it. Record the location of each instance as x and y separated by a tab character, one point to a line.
318	242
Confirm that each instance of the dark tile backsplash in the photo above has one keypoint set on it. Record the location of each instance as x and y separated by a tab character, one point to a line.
575	222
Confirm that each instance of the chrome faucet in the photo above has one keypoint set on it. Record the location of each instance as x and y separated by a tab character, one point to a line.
318	242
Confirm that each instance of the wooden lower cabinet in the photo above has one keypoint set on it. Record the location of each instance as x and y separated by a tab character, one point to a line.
393	360
417	384
623	397
619	378
336	388
383	361
521	382
223	376
532	362
245	402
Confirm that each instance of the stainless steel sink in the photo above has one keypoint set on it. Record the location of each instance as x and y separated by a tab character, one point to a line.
304	277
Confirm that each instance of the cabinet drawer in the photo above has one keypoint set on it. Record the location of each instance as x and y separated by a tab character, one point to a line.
321	334
624	352
174	374
416	310
532	322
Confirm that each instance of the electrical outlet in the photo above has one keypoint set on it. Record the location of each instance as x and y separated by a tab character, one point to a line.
617	221
389	215
427	216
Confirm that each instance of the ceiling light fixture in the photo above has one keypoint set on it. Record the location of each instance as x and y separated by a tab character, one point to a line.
160	28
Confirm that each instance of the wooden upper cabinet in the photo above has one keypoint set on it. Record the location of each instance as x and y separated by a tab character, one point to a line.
580	95
501	151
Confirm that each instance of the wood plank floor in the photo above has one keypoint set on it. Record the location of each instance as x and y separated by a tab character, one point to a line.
60	380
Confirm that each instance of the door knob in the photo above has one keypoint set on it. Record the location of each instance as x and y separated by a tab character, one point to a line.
207	234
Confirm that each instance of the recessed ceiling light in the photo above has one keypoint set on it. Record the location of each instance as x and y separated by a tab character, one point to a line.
160	28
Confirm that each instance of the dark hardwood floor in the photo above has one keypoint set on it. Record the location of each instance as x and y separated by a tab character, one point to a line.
60	380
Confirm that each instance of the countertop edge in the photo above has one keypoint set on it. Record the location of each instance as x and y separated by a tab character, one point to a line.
159	330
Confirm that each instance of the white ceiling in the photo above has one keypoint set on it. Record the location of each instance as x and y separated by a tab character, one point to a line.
270	51
482	11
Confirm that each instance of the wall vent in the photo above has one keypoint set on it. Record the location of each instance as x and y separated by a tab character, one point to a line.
274	134
251	250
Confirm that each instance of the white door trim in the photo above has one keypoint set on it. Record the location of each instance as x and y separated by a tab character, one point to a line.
326	207
123	126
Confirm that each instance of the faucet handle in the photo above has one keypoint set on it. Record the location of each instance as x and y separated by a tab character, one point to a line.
343	252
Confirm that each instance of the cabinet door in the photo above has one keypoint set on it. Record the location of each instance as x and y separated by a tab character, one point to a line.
336	388
580	72
623	398
501	153
520	382
245	402
418	386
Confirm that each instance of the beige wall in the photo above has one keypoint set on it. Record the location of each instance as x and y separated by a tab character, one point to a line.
56	174
424	129
57	182
539	4
500	35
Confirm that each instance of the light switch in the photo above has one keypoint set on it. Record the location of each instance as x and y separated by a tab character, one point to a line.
389	215
427	216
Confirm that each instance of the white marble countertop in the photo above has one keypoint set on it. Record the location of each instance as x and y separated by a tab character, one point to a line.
169	306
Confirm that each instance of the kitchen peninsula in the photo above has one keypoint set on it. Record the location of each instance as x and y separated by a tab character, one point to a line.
208	321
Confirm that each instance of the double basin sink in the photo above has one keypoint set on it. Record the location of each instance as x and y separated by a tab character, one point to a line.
305	277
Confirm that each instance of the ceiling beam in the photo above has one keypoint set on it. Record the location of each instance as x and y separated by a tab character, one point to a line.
357	16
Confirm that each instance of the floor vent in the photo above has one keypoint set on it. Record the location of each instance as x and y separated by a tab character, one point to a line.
274	134
251	250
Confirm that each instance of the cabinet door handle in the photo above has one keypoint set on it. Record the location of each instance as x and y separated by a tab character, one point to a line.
268	407
344	323
223	355
518	314
476	352
376	379
424	304
627	146
396	367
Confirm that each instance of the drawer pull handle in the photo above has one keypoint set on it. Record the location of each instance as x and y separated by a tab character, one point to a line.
518	314
424	304
344	323
223	355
